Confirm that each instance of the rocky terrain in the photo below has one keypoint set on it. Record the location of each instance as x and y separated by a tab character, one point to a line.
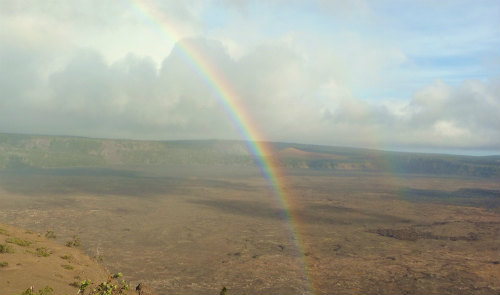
194	224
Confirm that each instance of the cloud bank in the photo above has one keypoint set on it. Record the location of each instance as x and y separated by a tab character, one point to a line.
297	86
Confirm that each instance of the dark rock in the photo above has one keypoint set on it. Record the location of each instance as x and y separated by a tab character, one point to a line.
144	289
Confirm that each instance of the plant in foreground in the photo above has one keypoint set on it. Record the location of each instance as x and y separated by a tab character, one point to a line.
45	291
110	287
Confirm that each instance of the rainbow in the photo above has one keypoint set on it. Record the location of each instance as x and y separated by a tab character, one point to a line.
235	110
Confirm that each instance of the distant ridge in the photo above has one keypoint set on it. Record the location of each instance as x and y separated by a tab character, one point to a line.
292	152
19	151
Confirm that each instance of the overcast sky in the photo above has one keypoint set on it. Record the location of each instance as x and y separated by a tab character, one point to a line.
407	75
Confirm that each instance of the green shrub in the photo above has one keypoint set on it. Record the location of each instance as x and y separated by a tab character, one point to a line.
106	288
6	249
67	266
19	242
67	257
84	285
3	232
117	275
4	263
42	252
50	235
45	291
75	242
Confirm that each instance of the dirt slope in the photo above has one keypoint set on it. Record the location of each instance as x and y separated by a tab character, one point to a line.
30	259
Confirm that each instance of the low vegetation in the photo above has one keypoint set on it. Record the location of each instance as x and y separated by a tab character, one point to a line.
74	242
67	257
113	286
24	272
42	252
6	249
19	242
50	235
45	291
67	266
99	258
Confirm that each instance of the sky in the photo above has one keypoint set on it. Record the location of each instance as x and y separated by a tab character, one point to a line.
397	75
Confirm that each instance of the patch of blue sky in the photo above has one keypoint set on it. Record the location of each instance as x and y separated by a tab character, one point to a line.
465	66
214	17
294	17
441	27
425	15
447	40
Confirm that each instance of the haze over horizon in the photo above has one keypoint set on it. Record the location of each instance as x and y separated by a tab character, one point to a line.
412	75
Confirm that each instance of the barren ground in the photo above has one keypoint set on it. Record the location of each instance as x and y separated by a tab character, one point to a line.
187	230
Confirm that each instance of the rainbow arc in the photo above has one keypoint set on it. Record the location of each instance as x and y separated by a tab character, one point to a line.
235	110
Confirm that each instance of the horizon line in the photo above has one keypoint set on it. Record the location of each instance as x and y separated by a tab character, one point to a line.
466	152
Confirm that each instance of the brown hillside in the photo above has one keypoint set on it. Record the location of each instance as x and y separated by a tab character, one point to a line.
31	259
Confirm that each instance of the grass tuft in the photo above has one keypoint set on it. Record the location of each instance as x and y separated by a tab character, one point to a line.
67	257
18	241
45	291
42	252
50	234
75	242
6	249
67	266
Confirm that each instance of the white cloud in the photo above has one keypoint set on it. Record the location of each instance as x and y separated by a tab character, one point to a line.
96	68
449	130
